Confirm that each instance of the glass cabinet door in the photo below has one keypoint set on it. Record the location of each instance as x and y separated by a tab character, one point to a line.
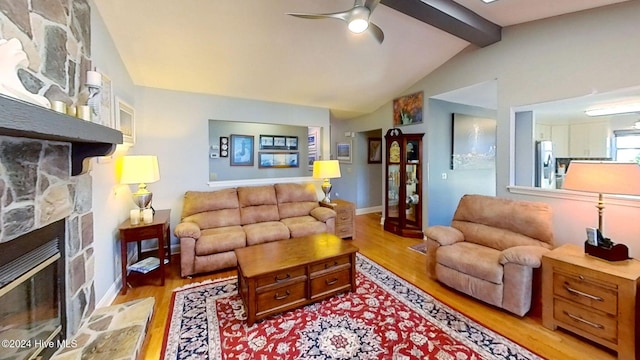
393	191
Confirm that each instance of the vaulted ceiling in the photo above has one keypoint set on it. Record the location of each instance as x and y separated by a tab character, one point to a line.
251	49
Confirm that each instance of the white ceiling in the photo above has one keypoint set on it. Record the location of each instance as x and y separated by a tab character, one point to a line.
251	49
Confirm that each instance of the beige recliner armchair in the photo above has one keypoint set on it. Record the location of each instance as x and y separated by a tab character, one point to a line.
492	250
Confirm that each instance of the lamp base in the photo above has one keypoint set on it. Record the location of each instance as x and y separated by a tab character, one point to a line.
326	189
617	252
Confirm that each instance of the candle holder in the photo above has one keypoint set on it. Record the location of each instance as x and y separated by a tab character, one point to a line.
94	85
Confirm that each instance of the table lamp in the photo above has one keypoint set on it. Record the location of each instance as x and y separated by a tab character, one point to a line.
326	169
603	177
140	169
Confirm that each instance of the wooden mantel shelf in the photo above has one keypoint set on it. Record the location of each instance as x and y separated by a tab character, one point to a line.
21	119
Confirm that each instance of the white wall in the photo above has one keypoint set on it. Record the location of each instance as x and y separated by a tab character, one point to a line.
556	58
109	198
175	127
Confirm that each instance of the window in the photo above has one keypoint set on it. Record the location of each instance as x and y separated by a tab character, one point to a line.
627	145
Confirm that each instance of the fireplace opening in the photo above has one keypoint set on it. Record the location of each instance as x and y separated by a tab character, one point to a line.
32	294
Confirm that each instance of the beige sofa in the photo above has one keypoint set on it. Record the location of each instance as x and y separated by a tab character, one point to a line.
491	249
214	223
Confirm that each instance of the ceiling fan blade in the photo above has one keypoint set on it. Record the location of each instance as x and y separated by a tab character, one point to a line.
371	4
342	15
375	30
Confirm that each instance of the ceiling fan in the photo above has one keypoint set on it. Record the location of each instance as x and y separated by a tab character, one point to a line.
357	18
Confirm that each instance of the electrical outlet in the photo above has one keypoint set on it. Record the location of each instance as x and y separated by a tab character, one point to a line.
444	176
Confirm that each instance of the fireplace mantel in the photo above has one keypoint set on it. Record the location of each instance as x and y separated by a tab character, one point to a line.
21	119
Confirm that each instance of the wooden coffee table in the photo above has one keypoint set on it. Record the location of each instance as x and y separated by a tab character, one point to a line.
282	275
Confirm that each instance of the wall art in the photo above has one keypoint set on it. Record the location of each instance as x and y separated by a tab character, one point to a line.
473	143
343	152
407	110
241	150
278	159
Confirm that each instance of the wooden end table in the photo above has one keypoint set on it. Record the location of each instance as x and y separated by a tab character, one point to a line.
158	229
594	298
345	217
282	275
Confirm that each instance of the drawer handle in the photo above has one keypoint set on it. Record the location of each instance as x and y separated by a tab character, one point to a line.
578	292
332	281
577	318
285	277
283	296
327	266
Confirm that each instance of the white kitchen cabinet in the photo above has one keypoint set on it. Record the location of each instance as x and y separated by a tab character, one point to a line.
589	140
543	132
560	139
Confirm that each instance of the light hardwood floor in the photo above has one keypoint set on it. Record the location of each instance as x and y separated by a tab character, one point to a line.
392	252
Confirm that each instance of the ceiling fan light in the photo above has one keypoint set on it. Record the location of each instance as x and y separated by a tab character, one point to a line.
358	25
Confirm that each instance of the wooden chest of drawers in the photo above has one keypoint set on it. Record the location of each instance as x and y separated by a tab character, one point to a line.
345	218
282	275
593	298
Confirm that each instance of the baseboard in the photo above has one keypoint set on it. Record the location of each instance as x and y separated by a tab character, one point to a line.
369	210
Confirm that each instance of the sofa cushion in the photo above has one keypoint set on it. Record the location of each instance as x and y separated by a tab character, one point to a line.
220	239
296	199
211	209
475	260
265	232
258	204
532	219
499	239
202	201
304	225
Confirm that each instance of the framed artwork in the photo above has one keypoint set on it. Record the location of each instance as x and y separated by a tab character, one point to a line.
106	102
278	160
407	110
292	143
312	140
375	151
473	143
126	121
343	152
313	156
274	142
241	150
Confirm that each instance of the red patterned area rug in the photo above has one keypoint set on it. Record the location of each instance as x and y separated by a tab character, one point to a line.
385	318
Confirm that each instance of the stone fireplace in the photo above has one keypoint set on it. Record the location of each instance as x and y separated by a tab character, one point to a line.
43	183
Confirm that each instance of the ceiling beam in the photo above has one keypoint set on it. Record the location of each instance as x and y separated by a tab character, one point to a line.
451	17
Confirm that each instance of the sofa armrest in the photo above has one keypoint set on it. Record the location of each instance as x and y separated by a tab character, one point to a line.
323	214
530	256
187	230
444	235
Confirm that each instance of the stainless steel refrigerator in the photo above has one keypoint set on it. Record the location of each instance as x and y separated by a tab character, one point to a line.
545	176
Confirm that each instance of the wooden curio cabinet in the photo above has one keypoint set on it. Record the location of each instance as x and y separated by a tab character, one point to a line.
403	171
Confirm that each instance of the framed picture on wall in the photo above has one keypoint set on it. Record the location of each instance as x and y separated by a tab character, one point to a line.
241	150
278	160
343	152
375	151
125	121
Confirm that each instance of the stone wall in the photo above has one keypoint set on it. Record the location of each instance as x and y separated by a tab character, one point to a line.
56	35
35	185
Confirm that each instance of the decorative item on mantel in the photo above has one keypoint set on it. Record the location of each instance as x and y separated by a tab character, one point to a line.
12	57
94	84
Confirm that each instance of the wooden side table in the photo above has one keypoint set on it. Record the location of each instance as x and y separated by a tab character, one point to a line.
345	217
592	297
158	229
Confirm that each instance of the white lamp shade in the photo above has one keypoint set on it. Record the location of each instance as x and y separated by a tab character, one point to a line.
603	177
140	169
326	169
